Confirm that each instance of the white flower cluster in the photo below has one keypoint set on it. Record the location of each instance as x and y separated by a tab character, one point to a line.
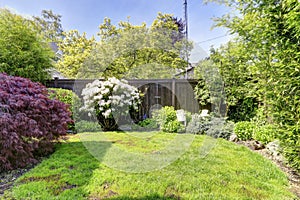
109	97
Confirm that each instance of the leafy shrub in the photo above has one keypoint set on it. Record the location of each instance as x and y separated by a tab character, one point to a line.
24	52
29	121
243	109
289	137
244	130
220	128
109	100
147	122
290	141
167	120
202	93
70	98
198	124
87	126
265	133
146	125
67	97
216	127
188	117
172	127
260	118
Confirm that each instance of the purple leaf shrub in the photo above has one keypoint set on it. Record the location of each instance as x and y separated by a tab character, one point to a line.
30	122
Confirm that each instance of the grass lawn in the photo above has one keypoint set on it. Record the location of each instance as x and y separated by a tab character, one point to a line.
228	171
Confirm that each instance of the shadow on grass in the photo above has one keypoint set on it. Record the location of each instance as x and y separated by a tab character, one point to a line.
64	175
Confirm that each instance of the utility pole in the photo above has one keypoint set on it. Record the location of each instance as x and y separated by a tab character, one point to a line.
186	36
186	19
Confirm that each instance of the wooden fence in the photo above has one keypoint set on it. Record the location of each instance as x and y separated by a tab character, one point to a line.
178	93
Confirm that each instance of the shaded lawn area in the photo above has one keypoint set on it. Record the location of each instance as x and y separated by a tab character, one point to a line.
228	171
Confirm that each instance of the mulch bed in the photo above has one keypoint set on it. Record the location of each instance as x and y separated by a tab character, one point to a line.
8	178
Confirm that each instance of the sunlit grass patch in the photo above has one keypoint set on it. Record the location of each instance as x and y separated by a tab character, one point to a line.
228	171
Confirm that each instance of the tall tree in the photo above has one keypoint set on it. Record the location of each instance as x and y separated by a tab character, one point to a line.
134	51
235	66
169	22
209	90
23	51
75	48
269	32
50	25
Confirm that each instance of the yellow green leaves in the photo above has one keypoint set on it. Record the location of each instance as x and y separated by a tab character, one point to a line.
23	51
75	49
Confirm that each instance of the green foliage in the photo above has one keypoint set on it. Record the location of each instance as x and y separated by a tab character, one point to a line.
216	127
210	87
146	125
188	116
243	110
75	49
71	99
167	120
49	25
241	96
172	127
126	51
202	93
290	141
67	97
264	59
198	124
137	51
263	132
266	133
87	126
220	128
244	130
23	51
260	117
62	95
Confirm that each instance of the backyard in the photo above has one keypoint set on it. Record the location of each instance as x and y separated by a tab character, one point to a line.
228	171
124	113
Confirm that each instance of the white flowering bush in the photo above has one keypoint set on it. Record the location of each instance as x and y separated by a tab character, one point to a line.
109	100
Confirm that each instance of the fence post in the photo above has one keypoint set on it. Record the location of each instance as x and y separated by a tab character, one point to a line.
56	82
173	92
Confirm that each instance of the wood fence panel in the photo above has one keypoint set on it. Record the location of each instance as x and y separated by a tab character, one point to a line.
157	92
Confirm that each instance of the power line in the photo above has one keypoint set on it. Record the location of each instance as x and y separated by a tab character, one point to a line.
212	39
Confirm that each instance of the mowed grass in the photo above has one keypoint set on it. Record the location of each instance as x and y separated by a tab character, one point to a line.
228	171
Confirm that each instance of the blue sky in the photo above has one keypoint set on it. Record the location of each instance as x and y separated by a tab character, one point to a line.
87	15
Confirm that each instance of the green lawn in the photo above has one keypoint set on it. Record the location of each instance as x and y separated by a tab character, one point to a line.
121	168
